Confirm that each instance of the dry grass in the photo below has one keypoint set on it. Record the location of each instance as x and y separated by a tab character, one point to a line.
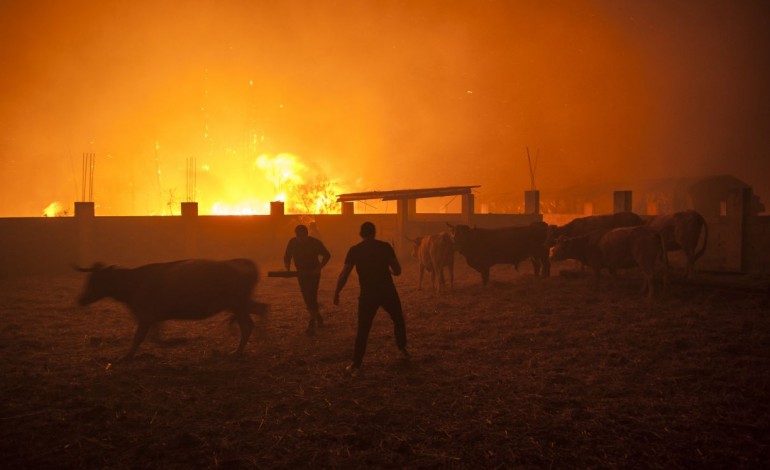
523	373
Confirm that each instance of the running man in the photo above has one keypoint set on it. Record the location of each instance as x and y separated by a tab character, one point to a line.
374	261
306	250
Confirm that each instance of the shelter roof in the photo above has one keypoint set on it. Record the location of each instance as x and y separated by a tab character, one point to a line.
406	193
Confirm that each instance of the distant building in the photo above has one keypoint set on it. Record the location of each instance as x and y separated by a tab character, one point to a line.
708	195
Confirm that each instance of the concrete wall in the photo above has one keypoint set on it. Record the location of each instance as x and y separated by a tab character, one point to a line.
758	246
53	245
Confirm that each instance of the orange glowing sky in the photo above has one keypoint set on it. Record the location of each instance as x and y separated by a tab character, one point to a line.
374	95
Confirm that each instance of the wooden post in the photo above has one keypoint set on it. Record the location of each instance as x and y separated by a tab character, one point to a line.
622	201
348	208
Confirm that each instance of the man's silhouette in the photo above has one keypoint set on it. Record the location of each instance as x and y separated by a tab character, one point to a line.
374	261
305	251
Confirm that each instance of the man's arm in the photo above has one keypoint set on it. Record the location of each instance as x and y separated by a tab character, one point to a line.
325	255
341	280
395	268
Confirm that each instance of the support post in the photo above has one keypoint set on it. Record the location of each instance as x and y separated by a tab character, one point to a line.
622	201
348	208
190	229
84	209
84	216
189	209
532	202
468	203
277	208
402	223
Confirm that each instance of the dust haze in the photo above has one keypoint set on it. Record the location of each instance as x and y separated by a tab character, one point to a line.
373	96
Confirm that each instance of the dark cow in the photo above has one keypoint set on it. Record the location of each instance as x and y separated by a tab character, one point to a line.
435	253
179	290
483	247
618	248
585	225
681	231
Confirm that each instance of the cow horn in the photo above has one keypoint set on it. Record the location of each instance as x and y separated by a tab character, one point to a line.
450	225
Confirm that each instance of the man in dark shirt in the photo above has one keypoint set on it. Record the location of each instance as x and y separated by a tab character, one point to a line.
305	251
374	261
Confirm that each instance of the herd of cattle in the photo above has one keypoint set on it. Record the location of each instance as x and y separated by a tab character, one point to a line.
198	289
612	241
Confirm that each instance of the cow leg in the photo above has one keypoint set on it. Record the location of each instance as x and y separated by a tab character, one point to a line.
247	325
546	266
484	276
597	273
433	281
141	332
441	280
535	265
422	272
690	263
648	284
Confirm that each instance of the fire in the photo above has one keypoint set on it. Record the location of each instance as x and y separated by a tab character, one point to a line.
55	209
282	177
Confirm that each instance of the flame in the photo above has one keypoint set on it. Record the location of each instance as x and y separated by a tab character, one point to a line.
282	177
55	209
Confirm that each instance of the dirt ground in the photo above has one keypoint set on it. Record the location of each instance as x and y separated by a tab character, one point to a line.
526	373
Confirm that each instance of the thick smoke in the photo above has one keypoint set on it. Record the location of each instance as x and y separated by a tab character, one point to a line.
374	95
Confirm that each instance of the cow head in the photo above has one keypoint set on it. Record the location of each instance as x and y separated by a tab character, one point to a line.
460	236
97	283
569	248
554	233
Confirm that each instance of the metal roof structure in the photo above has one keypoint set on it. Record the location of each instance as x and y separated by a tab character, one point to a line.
403	194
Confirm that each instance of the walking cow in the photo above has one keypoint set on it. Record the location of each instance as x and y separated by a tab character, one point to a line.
435	253
681	231
485	247
624	247
591	223
180	290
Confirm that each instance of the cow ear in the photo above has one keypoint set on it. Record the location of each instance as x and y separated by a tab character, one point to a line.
450	225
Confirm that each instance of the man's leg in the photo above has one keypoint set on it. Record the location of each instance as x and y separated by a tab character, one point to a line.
367	308
309	288
312	301
392	305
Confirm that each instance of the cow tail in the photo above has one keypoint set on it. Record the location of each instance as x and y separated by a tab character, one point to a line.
700	252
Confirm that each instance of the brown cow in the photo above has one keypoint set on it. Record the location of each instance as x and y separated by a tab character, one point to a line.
179	290
486	247
435	253
618	248
681	231
585	225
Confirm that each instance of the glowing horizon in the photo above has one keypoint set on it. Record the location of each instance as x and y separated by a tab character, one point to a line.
376	95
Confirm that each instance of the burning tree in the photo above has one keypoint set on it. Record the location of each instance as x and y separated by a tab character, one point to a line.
316	197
